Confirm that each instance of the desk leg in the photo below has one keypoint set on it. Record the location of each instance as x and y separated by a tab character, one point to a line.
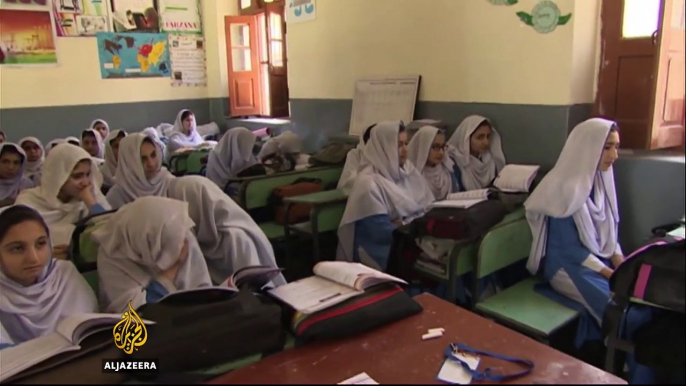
452	279
314	220
287	233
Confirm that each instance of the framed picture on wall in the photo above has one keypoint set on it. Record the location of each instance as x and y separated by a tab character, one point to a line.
135	16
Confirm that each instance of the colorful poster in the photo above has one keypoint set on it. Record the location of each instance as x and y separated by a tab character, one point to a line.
34	5
180	16
135	16
133	55
26	38
188	60
80	17
298	11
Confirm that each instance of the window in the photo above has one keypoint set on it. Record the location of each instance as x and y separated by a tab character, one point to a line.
240	47
641	18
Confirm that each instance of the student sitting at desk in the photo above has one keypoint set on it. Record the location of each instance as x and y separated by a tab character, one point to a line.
352	163
154	134
387	193
35	155
12	179
574	220
185	133
101	126
476	149
92	142
140	172
287	145
229	238
36	291
233	154
147	251
109	167
426	151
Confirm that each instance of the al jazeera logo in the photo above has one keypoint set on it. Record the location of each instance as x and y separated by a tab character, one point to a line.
130	334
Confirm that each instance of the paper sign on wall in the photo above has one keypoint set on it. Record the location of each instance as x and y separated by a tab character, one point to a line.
34	5
298	11
180	16
133	55
188	60
27	38
80	17
135	16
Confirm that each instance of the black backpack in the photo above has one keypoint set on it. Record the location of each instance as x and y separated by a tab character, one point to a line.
199	329
333	153
459	223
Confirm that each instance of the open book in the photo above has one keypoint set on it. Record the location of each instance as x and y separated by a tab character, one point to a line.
68	336
254	277
516	178
333	283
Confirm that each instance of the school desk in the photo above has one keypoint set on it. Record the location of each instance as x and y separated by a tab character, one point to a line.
396	354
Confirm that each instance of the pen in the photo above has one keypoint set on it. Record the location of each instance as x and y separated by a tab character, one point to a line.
329	297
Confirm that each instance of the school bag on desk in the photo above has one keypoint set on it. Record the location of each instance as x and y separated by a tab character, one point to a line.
83	250
298	212
655	276
459	223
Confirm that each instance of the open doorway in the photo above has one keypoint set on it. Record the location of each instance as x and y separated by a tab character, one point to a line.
257	60
641	76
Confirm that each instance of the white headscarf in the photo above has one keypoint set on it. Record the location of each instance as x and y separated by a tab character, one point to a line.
109	167
30	312
152	132
131	182
438	177
352	164
179	140
139	242
382	187
73	139
476	173
565	191
12	187
98	138
284	143
33	169
52	144
229	238
232	155
95	122
59	165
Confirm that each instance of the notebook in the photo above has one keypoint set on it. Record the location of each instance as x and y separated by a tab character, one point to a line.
334	282
516	178
68	335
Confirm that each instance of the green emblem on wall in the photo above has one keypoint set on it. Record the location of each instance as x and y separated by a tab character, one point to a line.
503	2
545	17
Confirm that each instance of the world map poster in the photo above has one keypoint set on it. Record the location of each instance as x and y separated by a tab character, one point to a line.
133	55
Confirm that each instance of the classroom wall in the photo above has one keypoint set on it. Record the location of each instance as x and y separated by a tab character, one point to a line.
474	58
50	102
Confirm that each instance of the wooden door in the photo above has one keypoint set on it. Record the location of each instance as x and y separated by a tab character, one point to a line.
277	66
626	78
243	65
668	103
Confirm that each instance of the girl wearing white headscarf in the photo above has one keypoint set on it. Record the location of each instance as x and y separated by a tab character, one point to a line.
109	167
147	251
69	191
284	143
426	151
140	172
36	291
73	140
35	155
229	238
574	221
477	150
388	192
12	179
185	133
352	163
232	155
92	142
101	126
54	143
153	133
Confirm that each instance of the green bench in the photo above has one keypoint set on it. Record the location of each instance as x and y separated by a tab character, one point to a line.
519	306
463	255
325	216
190	162
254	192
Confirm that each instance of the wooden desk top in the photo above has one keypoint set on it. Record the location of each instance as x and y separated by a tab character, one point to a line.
396	354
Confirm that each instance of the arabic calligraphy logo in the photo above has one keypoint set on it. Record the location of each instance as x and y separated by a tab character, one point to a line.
130	333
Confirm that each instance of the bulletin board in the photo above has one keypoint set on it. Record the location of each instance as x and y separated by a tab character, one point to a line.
383	99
